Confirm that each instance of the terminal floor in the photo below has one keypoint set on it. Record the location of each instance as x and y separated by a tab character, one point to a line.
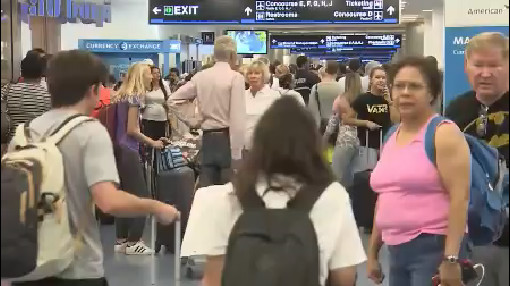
132	270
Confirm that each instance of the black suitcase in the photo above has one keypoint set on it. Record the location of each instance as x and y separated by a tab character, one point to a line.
175	187
363	197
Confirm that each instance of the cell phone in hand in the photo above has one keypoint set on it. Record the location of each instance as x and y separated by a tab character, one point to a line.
468	273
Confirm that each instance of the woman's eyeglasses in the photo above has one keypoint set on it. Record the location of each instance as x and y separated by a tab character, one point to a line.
411	86
481	127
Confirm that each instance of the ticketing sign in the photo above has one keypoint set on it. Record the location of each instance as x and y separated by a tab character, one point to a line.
274	12
336	42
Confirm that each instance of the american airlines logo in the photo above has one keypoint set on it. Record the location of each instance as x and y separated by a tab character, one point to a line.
461	40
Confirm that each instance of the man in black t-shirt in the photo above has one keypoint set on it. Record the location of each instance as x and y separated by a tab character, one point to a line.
483	113
305	79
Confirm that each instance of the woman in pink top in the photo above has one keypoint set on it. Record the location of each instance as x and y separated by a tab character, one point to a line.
421	210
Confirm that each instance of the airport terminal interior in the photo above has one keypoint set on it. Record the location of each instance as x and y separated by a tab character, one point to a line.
277	40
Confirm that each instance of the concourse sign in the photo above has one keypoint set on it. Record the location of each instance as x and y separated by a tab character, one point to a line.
274	12
336	42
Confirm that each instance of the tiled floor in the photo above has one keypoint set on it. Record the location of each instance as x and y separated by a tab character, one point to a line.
123	270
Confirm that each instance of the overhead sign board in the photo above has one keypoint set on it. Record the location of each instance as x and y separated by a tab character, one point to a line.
336	42
344	51
130	46
274	12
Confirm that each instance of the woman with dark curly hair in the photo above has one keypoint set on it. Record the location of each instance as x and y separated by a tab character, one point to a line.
278	171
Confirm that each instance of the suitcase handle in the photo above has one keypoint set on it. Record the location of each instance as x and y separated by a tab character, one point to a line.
366	142
177	255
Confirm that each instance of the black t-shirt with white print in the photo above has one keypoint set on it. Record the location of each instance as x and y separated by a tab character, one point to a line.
375	108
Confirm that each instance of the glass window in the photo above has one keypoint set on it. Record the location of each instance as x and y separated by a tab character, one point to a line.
6	43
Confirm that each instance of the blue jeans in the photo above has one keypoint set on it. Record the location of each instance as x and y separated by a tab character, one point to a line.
414	263
344	157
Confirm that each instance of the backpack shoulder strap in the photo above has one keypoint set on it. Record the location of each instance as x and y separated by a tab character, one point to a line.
390	132
306	198
66	127
430	134
21	134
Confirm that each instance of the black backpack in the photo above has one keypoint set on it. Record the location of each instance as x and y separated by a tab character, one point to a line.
274	247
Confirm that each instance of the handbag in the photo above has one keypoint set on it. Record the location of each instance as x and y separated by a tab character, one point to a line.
170	158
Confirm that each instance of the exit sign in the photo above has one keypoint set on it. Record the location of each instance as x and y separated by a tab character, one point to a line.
168	10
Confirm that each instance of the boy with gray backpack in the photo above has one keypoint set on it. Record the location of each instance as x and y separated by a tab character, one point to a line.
57	167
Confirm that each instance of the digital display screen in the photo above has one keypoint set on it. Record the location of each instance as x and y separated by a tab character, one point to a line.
335	42
274	12
250	42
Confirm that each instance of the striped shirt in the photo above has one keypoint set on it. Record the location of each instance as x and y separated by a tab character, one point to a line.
25	101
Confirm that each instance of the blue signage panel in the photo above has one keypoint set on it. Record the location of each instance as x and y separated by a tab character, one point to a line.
349	52
336	42
130	46
274	12
456	38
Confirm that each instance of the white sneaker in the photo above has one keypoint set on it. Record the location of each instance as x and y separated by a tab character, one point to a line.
139	249
120	247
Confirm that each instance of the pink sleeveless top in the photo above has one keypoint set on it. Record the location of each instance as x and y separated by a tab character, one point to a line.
412	199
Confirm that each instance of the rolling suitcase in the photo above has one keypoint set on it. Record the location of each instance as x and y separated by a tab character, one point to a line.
150	173
361	193
176	187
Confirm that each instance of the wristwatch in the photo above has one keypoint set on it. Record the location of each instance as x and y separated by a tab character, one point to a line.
451	259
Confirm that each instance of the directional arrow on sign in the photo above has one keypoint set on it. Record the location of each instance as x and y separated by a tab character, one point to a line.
248	10
274	41
156	10
322	41
391	10
397	41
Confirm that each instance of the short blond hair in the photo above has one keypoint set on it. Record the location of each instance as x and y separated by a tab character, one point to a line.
488	40
266	61
282	70
224	48
261	67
